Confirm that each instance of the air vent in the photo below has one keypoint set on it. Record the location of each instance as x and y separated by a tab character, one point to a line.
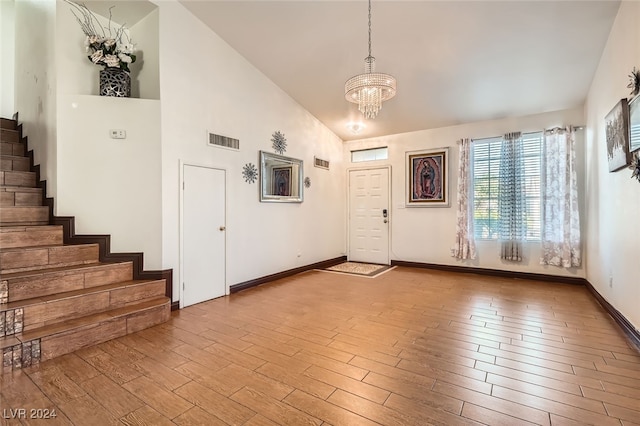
224	141
318	162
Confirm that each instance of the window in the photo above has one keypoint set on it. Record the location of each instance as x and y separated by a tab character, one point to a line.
370	154
485	158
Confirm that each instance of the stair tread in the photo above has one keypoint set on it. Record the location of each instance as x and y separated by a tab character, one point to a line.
20	189
72	268
90	320
71	294
27	228
69	246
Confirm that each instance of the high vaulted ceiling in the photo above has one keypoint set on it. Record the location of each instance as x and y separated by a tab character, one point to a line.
455	61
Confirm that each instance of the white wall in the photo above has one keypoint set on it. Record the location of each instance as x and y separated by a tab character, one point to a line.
613	199
426	235
207	86
145	71
112	186
35	81
7	58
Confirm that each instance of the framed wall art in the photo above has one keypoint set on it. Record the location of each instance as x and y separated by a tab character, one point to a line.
428	178
617	135
281	181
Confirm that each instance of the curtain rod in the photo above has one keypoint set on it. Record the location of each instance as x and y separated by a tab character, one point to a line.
580	127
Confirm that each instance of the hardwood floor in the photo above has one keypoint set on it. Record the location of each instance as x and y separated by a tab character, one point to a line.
411	347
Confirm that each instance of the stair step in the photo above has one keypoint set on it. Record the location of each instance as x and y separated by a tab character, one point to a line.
24	215
20	259
18	178
62	338
45	282
6	123
30	236
18	196
14	162
47	310
9	135
13	148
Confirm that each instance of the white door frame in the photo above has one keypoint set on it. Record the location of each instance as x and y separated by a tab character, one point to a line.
372	167
181	230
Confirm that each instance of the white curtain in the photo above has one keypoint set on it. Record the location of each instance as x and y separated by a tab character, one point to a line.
465	246
511	198
560	221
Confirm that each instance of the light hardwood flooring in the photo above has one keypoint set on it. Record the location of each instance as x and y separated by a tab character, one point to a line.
411	347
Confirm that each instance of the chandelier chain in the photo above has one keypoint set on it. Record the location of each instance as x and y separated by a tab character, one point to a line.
369	28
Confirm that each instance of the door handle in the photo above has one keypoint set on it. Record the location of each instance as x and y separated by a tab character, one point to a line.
223	228
385	221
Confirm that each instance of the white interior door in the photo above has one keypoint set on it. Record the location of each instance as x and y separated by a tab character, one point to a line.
204	229
369	216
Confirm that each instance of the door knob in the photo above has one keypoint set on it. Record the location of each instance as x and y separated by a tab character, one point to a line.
385	221
223	228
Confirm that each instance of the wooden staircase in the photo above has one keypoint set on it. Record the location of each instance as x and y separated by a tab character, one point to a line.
57	296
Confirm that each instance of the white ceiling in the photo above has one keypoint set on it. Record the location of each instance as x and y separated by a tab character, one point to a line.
455	61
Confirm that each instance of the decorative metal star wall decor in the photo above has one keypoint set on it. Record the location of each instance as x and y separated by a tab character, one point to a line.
249	173
279	142
307	182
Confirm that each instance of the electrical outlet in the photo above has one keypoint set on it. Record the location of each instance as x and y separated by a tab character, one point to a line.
118	134
610	282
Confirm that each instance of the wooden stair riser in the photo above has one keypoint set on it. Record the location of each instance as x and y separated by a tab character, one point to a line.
17	178
42	284
30	236
14	163
5	123
65	308
17	149
9	135
24	215
36	258
15	196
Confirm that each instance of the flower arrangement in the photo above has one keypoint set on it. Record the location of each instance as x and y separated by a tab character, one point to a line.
106	46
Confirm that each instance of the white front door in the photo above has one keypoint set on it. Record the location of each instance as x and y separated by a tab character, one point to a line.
369	216
203	234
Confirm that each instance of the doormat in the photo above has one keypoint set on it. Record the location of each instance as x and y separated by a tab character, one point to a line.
362	269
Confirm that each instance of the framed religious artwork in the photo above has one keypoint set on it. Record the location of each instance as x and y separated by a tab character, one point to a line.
281	181
617	135
428	178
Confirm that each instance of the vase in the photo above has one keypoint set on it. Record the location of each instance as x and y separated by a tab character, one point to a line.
115	82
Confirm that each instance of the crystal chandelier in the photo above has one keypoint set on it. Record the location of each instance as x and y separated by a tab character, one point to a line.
370	89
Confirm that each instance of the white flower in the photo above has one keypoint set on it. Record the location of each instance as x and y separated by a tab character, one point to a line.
109	42
94	39
124	58
112	61
125	48
97	56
